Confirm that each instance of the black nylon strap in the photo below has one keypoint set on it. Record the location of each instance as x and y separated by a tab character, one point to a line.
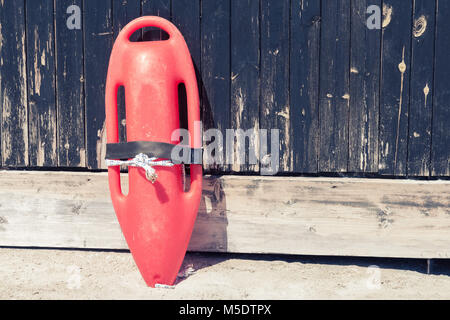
160	150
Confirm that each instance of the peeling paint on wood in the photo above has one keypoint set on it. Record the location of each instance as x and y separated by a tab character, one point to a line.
275	72
387	15
245	84
13	85
420	25
304	84
440	153
97	19
334	83
340	121
41	84
69	90
422	87
364	91
215	42
395	89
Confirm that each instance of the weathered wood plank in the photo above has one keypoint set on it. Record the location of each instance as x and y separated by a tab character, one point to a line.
186	16
304	84
42	142
421	102
440	156
274	109
215	62
69	86
13	84
364	90
98	41
320	216
334	86
245	85
124	11
160	8
394	99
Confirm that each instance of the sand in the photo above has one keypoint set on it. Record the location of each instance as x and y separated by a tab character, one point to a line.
79	274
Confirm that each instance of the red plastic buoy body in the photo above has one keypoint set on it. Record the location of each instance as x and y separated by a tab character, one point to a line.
156	219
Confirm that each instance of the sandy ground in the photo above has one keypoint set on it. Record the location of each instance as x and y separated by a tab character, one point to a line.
76	274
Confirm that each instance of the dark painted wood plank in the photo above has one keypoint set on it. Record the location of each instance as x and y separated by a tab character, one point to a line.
215	61
245	85
334	86
364	90
160	8
421	102
69	88
97	48
274	110
304	84
440	150
186	17
13	84
42	142
124	11
394	99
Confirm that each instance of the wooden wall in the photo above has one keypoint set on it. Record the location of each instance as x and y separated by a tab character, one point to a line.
345	98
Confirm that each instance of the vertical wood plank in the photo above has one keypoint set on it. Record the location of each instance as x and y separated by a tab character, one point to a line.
421	102
97	48
275	110
215	61
394	104
42	141
160	8
304	84
334	86
440	150
13	84
364	90
124	11
245	86
186	16
69	88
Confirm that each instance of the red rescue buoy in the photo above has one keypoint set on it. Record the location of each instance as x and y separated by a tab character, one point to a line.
156	217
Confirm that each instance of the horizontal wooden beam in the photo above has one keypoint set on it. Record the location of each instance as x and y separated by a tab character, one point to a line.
290	215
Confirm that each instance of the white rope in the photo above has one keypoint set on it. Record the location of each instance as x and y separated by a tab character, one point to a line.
143	161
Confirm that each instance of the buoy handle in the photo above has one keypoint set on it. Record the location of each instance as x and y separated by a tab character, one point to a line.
148	21
194	128
112	134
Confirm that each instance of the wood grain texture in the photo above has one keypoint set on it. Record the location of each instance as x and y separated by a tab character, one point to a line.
69	88
98	41
334	86
215	62
274	110
318	216
395	87
421	101
440	156
304	84
13	84
365	60
245	85
42	139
